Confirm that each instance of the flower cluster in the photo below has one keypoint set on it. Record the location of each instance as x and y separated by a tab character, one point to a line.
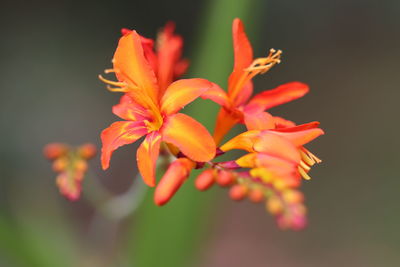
271	171
71	165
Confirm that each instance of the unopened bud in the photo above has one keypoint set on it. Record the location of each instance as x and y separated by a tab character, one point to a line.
174	177
55	150
238	192
205	180
87	151
81	165
256	195
225	178
274	205
60	164
292	196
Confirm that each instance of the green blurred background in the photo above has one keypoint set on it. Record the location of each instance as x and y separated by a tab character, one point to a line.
347	51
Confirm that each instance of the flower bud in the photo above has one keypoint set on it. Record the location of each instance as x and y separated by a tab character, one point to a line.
293	196
68	187
238	192
87	151
55	150
225	178
81	165
256	195
274	205
178	171
205	180
60	164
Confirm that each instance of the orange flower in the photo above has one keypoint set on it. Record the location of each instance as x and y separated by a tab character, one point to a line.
236	106
152	112
278	150
276	161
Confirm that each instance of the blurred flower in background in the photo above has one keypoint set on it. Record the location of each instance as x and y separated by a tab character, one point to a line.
71	165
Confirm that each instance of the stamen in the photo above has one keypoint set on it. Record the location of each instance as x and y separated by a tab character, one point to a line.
258	66
119	84
116	89
305	158
262	65
306	155
304	173
304	166
110	71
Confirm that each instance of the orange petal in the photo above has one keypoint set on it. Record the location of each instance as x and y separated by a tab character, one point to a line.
299	138
216	94
243	53
189	136
118	134
181	93
301	127
180	68
147	155
280	95
283	123
244	141
277	165
178	171
244	94
259	120
148	49
149	54
131	67
275	145
248	160
169	51
281	167
128	109
225	121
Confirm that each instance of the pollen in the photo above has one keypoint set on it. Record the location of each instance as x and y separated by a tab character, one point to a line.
303	173
309	158
120	86
264	64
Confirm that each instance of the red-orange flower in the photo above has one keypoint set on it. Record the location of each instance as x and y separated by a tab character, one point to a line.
236	106
152	112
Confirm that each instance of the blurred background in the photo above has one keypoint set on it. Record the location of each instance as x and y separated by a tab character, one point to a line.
346	50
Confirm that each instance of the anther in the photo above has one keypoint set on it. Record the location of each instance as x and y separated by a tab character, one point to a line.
304	166
303	173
